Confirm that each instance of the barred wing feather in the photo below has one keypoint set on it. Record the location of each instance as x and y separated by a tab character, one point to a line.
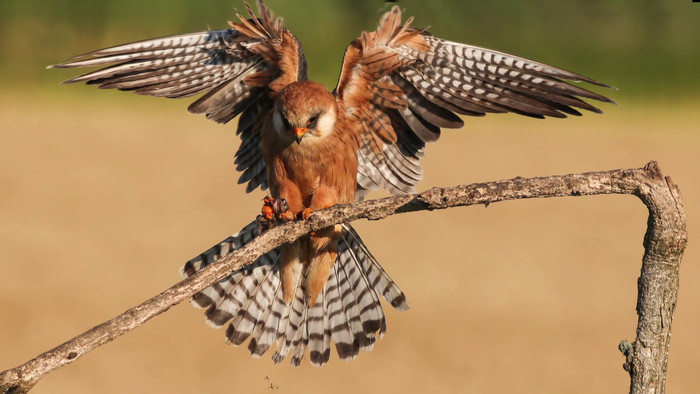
239	71
403	85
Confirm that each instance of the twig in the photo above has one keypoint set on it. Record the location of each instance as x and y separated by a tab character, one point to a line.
664	244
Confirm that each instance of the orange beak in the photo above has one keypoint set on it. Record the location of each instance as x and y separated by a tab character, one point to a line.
299	133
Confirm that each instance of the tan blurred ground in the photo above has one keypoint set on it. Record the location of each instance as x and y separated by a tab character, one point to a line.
102	199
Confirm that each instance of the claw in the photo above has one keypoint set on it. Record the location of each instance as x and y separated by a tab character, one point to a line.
277	205
276	210
273	209
267	212
305	213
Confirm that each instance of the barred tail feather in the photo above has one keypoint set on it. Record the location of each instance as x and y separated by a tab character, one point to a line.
264	338
350	305
289	335
255	308
301	339
345	343
250	300
379	280
319	335
267	325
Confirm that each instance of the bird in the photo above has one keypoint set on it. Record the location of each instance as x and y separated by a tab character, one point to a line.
313	148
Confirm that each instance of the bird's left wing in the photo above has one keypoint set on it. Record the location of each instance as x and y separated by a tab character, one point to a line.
401	85
240	70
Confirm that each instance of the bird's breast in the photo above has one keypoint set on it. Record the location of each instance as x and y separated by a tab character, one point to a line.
303	165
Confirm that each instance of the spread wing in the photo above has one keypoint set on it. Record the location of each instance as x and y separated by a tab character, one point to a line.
402	85
240	70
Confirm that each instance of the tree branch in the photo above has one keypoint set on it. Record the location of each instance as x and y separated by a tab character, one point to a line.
664	243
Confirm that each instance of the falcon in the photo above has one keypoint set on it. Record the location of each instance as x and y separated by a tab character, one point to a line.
398	87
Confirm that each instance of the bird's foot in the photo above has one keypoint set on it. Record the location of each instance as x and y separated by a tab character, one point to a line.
276	210
305	213
273	210
274	207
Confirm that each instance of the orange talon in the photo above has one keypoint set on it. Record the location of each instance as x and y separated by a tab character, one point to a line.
267	212
306	213
272	211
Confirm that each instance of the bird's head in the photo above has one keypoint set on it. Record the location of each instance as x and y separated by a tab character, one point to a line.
304	111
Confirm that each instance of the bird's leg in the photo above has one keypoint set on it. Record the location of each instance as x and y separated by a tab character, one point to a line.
273	209
323	252
323	246
291	267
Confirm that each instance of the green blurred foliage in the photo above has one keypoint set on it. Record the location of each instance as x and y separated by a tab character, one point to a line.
644	47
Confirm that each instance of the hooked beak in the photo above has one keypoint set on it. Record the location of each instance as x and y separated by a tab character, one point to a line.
299	133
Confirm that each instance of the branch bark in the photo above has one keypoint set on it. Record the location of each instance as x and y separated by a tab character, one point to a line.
664	243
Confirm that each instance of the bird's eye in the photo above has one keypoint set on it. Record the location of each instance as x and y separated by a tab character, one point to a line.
312	121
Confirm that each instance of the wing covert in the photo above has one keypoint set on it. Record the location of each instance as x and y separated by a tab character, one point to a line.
240	70
402	85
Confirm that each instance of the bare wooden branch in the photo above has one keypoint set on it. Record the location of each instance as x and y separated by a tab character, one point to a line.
664	243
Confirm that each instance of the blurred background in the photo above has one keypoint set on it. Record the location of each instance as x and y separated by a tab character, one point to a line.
104	194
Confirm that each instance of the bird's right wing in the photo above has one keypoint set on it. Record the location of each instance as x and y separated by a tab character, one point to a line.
240	70
401	85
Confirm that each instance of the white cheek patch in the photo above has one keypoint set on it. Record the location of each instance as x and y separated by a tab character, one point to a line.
326	123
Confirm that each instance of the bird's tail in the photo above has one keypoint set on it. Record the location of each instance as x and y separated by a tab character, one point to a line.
348	312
